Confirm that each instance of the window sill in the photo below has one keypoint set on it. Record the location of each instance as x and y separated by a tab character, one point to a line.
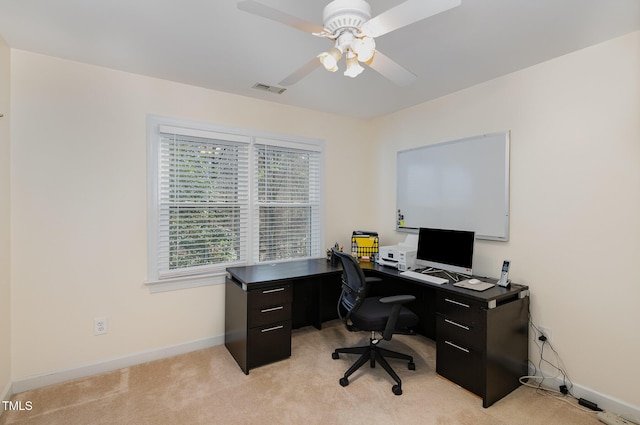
185	282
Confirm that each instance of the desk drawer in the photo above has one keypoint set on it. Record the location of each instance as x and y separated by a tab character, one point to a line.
269	343
269	297
269	314
460	309
459	333
460	364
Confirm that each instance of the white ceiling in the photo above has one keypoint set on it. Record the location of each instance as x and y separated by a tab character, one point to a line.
215	45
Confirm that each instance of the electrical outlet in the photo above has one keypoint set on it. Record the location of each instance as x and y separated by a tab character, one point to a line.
100	326
546	332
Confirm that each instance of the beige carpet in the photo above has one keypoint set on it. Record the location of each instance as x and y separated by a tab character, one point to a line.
207	387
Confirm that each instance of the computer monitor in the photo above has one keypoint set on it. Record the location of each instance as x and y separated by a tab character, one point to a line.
449	250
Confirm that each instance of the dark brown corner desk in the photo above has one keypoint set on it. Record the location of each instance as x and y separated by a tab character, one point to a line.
481	337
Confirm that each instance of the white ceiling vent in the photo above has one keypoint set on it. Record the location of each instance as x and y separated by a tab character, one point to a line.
271	89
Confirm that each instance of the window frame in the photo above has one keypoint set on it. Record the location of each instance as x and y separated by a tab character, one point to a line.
215	275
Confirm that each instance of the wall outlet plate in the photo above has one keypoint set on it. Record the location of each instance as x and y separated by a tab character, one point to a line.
546	332
100	326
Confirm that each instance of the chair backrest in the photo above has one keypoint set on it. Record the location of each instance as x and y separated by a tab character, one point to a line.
354	284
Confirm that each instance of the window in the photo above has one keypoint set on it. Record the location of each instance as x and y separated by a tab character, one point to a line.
287	202
220	197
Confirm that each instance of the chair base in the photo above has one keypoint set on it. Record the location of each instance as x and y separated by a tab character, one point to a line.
372	353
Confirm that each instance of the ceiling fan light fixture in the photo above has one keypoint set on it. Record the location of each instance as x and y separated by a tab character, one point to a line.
330	59
350	25
364	48
353	67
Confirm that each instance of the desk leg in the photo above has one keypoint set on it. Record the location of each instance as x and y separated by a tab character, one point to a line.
235	332
507	349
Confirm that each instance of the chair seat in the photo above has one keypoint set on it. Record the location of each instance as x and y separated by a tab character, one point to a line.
373	315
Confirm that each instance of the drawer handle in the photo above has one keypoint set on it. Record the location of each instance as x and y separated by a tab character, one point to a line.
268	310
271	291
456	346
457	303
451	322
275	328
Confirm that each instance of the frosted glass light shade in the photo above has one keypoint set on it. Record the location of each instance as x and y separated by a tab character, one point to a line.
330	59
364	48
353	67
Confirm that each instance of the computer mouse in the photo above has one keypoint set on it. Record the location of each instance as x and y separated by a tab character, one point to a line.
473	281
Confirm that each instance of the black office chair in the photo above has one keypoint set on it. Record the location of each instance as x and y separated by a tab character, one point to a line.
385	315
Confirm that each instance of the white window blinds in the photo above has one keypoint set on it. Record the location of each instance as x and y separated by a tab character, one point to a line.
203	202
287	203
220	197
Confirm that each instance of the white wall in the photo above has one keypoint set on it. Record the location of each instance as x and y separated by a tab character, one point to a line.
79	207
575	198
5	236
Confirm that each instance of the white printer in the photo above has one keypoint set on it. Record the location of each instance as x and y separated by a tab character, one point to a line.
401	256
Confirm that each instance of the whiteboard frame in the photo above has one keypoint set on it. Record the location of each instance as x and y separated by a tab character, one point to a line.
504	136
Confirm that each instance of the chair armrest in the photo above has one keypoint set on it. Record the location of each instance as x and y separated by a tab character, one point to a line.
371	279
397	299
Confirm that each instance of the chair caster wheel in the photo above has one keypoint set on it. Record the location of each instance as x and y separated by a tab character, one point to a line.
335	356
344	382
412	366
397	389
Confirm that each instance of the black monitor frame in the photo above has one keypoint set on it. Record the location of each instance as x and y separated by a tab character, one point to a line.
446	249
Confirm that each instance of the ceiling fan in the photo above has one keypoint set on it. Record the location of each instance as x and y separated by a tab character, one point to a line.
349	25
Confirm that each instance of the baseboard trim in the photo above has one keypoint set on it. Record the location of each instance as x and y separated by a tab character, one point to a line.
43	380
605	402
6	394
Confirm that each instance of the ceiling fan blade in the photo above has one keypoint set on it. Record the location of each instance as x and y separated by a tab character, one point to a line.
302	72
405	14
391	70
276	15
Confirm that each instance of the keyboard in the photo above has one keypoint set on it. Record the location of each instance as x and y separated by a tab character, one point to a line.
424	277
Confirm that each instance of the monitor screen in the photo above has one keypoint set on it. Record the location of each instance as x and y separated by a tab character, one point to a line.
450	250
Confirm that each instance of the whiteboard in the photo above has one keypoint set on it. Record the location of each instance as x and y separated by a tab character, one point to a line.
462	185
